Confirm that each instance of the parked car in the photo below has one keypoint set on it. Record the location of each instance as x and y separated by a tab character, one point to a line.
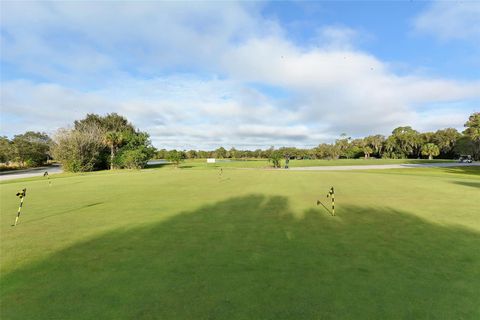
465	159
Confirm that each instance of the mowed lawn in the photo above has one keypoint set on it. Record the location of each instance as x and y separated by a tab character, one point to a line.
245	244
264	163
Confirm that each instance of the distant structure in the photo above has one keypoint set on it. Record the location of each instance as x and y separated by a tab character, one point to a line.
211	160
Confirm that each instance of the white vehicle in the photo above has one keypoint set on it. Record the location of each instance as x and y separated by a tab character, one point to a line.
465	159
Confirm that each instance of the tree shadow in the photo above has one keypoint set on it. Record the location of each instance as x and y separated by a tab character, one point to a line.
158	165
74	210
472	184
470	170
252	257
169	165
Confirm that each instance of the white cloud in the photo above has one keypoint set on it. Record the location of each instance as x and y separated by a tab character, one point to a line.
337	37
180	111
187	75
451	20
349	90
95	39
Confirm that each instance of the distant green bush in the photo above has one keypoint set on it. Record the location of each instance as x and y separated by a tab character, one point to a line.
101	142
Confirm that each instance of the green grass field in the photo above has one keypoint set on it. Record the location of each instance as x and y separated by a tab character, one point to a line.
169	243
264	163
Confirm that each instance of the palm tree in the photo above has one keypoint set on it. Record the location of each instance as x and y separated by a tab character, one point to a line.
430	150
112	139
376	142
367	150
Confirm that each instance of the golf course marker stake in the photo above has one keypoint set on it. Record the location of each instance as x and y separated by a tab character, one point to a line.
331	194
48	178
22	195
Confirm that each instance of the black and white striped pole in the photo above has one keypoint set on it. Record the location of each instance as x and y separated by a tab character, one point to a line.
22	195
48	178
331	194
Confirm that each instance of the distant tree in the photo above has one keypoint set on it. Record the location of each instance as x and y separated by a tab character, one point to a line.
406	141
426	137
464	146
221	153
342	145
161	154
320	151
431	150
367	150
326	151
355	149
376	143
267	153
243	154
202	154
113	139
391	150
473	126
275	158
191	154
473	132
233	153
446	140
31	148
175	157
6	150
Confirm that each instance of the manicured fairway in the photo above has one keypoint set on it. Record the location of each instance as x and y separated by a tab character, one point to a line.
248	244
264	163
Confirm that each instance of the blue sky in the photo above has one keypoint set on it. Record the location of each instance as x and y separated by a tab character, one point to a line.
243	74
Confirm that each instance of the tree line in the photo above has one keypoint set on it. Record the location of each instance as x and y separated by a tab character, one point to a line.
93	143
29	149
111	141
404	142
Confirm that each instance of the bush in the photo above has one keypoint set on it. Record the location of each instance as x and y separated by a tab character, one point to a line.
275	158
80	150
132	159
175	157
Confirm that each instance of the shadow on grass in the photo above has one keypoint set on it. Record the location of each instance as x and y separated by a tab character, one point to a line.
252	258
165	165
473	170
74	210
325	207
425	161
472	184
158	165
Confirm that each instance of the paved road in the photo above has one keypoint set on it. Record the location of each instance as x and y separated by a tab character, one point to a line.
387	166
34	172
37	172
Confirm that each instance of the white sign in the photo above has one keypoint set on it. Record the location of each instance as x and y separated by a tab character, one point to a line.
211	160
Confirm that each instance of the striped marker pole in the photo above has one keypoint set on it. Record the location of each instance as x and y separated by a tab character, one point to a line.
22	195
332	194
48	178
